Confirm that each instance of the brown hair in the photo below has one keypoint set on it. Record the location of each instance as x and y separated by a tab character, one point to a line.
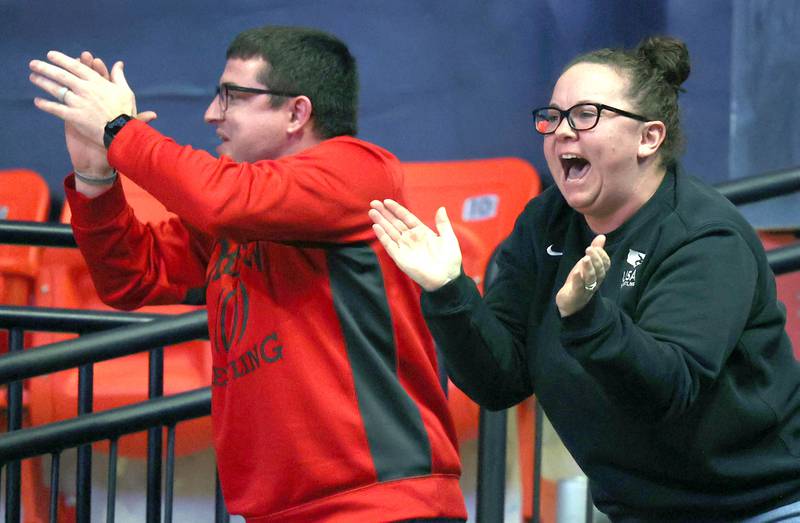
655	69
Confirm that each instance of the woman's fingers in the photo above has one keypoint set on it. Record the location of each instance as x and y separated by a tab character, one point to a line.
388	243
443	225
589	274
408	219
394	218
382	218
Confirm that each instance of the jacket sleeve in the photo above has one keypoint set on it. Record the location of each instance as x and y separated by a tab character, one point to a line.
689	319
321	194
134	264
484	340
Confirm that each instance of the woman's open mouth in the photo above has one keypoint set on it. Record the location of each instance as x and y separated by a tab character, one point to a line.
574	166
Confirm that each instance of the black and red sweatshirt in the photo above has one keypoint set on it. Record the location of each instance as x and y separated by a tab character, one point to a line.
326	404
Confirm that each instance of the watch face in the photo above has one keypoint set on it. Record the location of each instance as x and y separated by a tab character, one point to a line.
119	121
113	127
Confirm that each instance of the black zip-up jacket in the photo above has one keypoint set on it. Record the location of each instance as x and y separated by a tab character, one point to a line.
675	388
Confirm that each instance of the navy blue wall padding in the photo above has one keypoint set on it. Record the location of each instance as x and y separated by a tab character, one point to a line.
765	93
440	79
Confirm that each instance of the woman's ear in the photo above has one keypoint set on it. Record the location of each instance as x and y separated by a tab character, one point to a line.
653	135
301	110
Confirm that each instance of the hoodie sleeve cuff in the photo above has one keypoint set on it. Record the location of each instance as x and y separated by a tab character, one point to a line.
450	298
89	212
586	322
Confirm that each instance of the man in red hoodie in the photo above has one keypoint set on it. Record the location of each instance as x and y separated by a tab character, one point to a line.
326	404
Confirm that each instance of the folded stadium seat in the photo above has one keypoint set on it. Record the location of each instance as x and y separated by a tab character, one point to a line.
483	199
24	196
64	282
788	284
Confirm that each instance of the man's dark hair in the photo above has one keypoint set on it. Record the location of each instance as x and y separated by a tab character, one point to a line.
309	62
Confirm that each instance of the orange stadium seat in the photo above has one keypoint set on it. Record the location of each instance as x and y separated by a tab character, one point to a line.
64	282
483	199
24	196
788	284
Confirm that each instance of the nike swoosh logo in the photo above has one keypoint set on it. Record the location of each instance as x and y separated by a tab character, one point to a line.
553	252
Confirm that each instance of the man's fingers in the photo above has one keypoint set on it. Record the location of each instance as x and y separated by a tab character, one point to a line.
55	74
100	68
118	75
86	58
96	64
45	84
72	65
147	116
54	108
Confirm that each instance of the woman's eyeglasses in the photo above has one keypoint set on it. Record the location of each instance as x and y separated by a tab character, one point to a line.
580	117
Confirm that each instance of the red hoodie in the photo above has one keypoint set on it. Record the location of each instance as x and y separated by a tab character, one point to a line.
326	404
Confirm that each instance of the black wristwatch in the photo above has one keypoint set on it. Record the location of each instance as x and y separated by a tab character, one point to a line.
113	127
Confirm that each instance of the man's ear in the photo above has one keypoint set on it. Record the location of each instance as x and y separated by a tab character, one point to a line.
300	113
653	135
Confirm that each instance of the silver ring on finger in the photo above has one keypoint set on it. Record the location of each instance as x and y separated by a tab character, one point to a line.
591	286
62	93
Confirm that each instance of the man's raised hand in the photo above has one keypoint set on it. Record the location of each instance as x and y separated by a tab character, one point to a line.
87	99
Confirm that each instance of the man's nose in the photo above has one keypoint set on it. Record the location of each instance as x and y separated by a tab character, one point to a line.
213	111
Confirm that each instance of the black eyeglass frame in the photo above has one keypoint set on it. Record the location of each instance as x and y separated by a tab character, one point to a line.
223	100
565	113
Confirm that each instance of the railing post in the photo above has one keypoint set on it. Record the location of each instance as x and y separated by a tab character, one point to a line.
490	504
55	474
111	498
83	487
538	420
154	439
220	512
16	338
169	481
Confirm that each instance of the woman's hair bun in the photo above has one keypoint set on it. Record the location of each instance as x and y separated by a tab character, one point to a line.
668	55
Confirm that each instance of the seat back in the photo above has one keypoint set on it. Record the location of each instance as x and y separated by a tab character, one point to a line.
483	199
24	196
788	285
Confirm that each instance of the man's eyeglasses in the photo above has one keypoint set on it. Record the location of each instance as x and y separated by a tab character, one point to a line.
223	93
580	117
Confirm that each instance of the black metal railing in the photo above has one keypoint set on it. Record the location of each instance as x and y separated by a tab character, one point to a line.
761	187
36	233
129	333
